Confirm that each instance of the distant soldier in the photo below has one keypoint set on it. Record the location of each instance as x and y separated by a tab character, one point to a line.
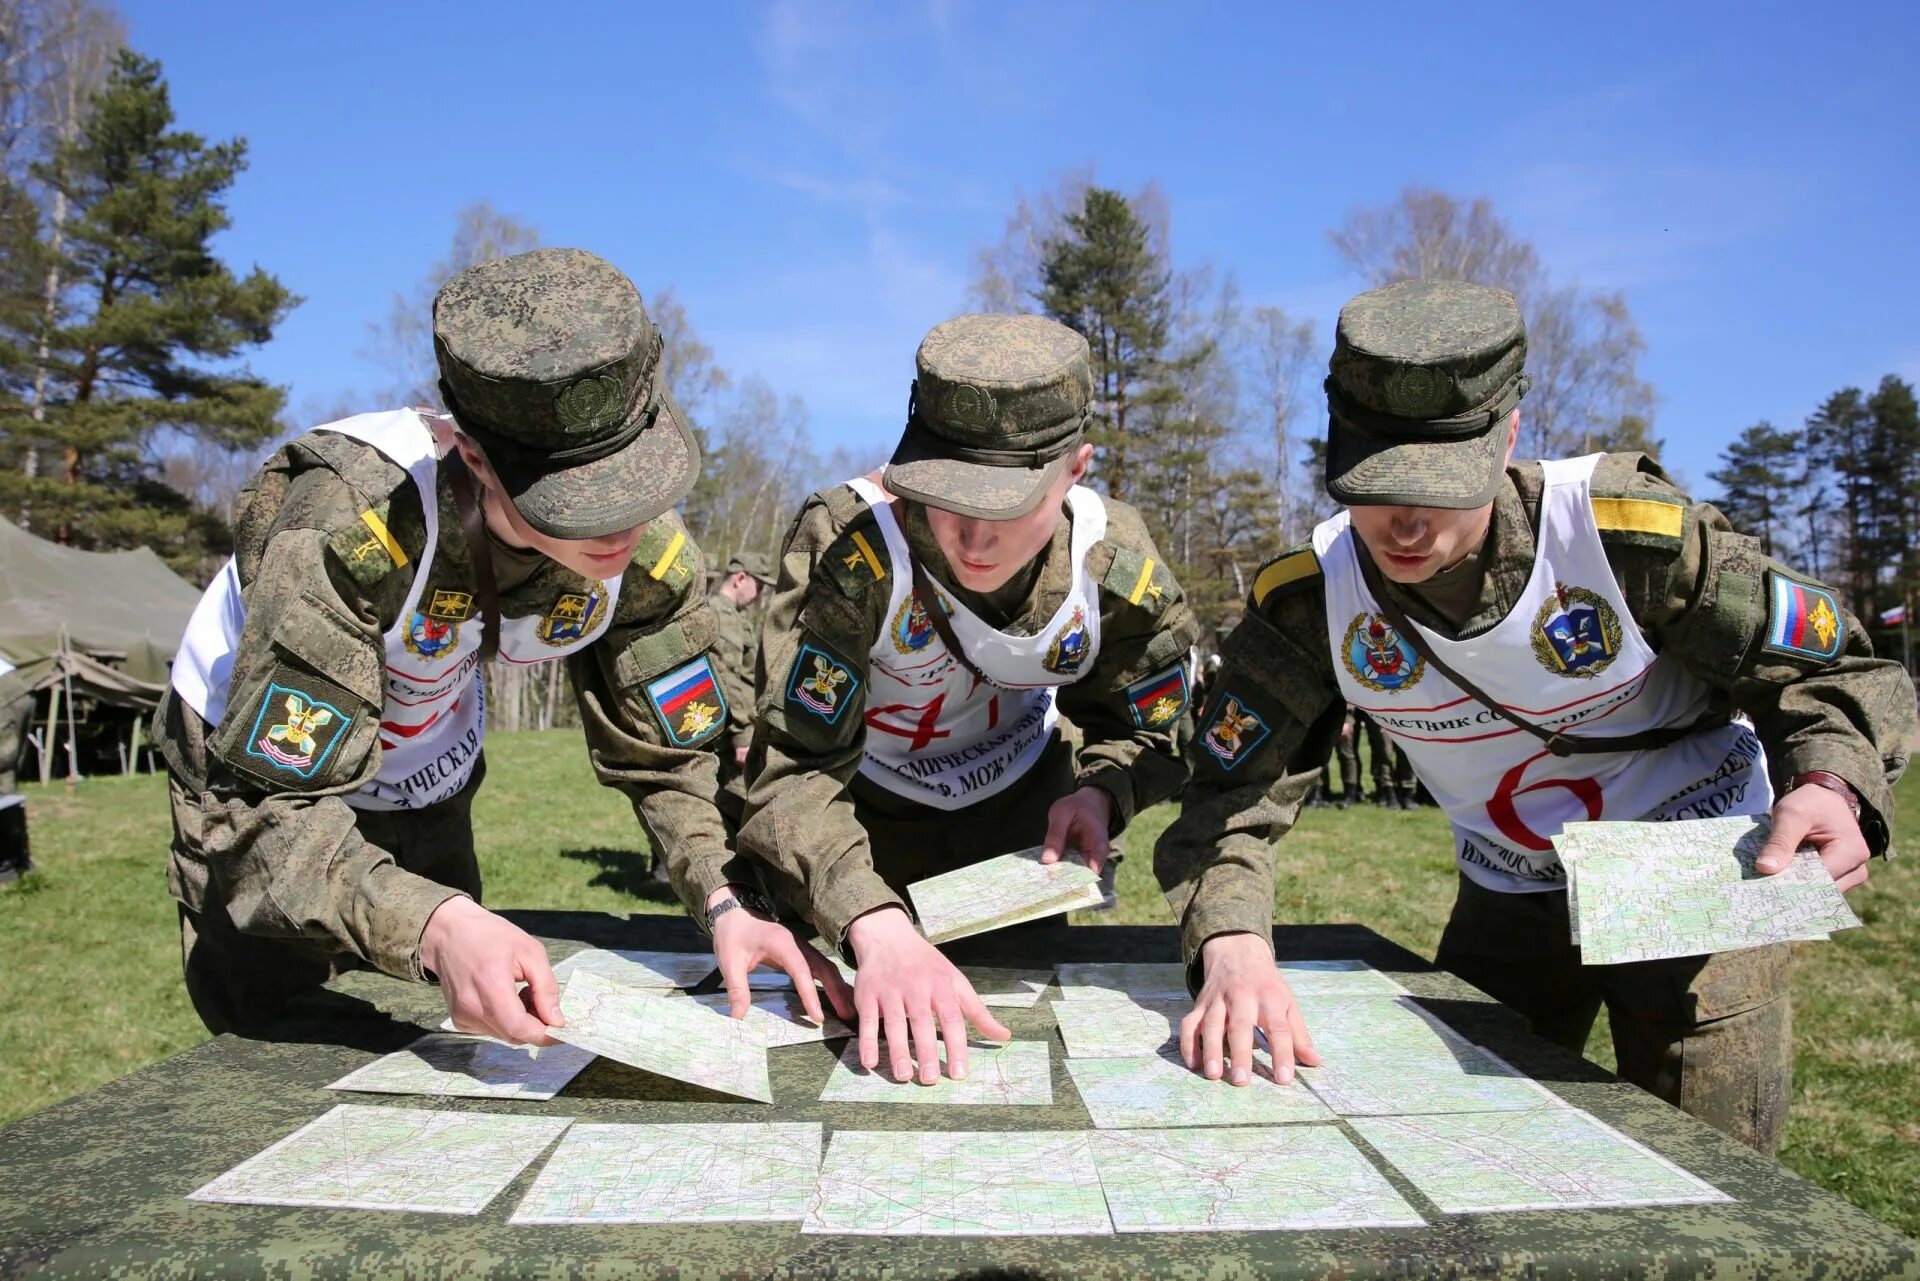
924	642
734	599
1549	642
16	721
324	728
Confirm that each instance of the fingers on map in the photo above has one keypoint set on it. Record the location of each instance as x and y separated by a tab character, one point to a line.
1017	1072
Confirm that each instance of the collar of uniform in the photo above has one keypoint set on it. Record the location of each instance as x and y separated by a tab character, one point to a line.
1472	597
1029	599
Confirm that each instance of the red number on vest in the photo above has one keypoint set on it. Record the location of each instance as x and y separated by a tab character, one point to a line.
919	732
1506	814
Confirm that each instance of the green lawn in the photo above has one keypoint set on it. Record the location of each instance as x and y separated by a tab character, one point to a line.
92	966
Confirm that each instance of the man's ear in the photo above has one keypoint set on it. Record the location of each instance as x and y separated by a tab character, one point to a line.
1513	435
1082	459
472	454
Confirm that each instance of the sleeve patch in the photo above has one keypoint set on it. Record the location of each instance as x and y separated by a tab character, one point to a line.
1802	620
689	703
820	684
1284	571
1159	699
1233	731
1644	521
293	727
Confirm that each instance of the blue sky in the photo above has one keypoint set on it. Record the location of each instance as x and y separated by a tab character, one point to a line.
815	179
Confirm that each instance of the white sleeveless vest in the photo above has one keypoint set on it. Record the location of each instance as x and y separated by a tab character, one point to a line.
433	720
937	734
1568	656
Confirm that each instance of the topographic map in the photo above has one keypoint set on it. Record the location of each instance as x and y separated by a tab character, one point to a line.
1243	1180
380	1158
476	1067
781	1019
1123	981
994	985
677	1174
1387	1057
999	892
1160	1092
1016	1072
639	969
671	1036
1001	1183
1550	1159
1643	891
1118	1029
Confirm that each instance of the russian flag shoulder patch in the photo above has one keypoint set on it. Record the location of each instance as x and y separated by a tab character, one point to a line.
689	703
1803	620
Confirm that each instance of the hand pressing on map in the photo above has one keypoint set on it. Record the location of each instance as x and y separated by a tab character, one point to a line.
906	988
1080	821
743	941
481	959
1816	816
1243	991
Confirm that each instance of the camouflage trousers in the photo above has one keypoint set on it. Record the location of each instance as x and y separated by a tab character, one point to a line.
239	981
1391	766
1712	1035
911	842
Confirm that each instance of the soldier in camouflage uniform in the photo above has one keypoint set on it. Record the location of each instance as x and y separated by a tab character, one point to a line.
324	724
1504	622
736	649
897	742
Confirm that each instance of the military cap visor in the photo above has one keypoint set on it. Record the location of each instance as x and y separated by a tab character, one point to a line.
924	469
1367	470
603	494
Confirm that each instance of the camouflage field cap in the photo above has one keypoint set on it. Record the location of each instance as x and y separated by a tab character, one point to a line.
999	404
548	361
753	564
1424	378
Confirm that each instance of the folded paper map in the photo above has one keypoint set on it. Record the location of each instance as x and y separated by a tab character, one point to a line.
1000	892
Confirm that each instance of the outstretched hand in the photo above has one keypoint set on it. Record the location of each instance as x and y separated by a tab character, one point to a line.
1242	991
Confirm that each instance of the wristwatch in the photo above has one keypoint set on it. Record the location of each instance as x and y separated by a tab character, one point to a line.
747	899
1833	783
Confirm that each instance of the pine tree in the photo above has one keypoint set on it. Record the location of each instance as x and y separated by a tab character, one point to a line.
149	323
1839	443
1755	476
1895	434
1103	277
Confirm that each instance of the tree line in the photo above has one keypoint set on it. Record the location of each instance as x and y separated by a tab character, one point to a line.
1837	496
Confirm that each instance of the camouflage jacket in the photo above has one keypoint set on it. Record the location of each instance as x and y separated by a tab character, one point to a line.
736	649
1697	590
285	859
834	591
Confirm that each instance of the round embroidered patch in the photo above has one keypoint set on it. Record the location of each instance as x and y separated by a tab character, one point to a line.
911	629
590	403
1576	633
1416	392
429	637
970	406
1379	657
1069	648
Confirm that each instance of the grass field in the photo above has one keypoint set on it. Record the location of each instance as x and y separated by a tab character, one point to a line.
93	979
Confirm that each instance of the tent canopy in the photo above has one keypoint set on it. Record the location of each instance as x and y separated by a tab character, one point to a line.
110	620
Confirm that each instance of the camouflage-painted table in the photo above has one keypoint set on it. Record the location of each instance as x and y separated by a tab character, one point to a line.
95	1186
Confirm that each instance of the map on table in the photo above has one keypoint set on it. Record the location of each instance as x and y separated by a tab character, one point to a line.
1389	1057
638	969
1123	981
1550	1159
1161	1092
670	1036
677	1174
996	986
1002	1183
781	1019
1118	1029
1018	1072
999	892
1644	891
1337	978
1243	1180
477	1067
379	1158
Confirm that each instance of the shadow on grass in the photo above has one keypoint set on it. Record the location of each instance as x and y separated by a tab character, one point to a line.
627	871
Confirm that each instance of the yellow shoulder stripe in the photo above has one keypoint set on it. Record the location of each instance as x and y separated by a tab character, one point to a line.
661	566
371	519
1288	569
866	554
1140	586
1639	516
